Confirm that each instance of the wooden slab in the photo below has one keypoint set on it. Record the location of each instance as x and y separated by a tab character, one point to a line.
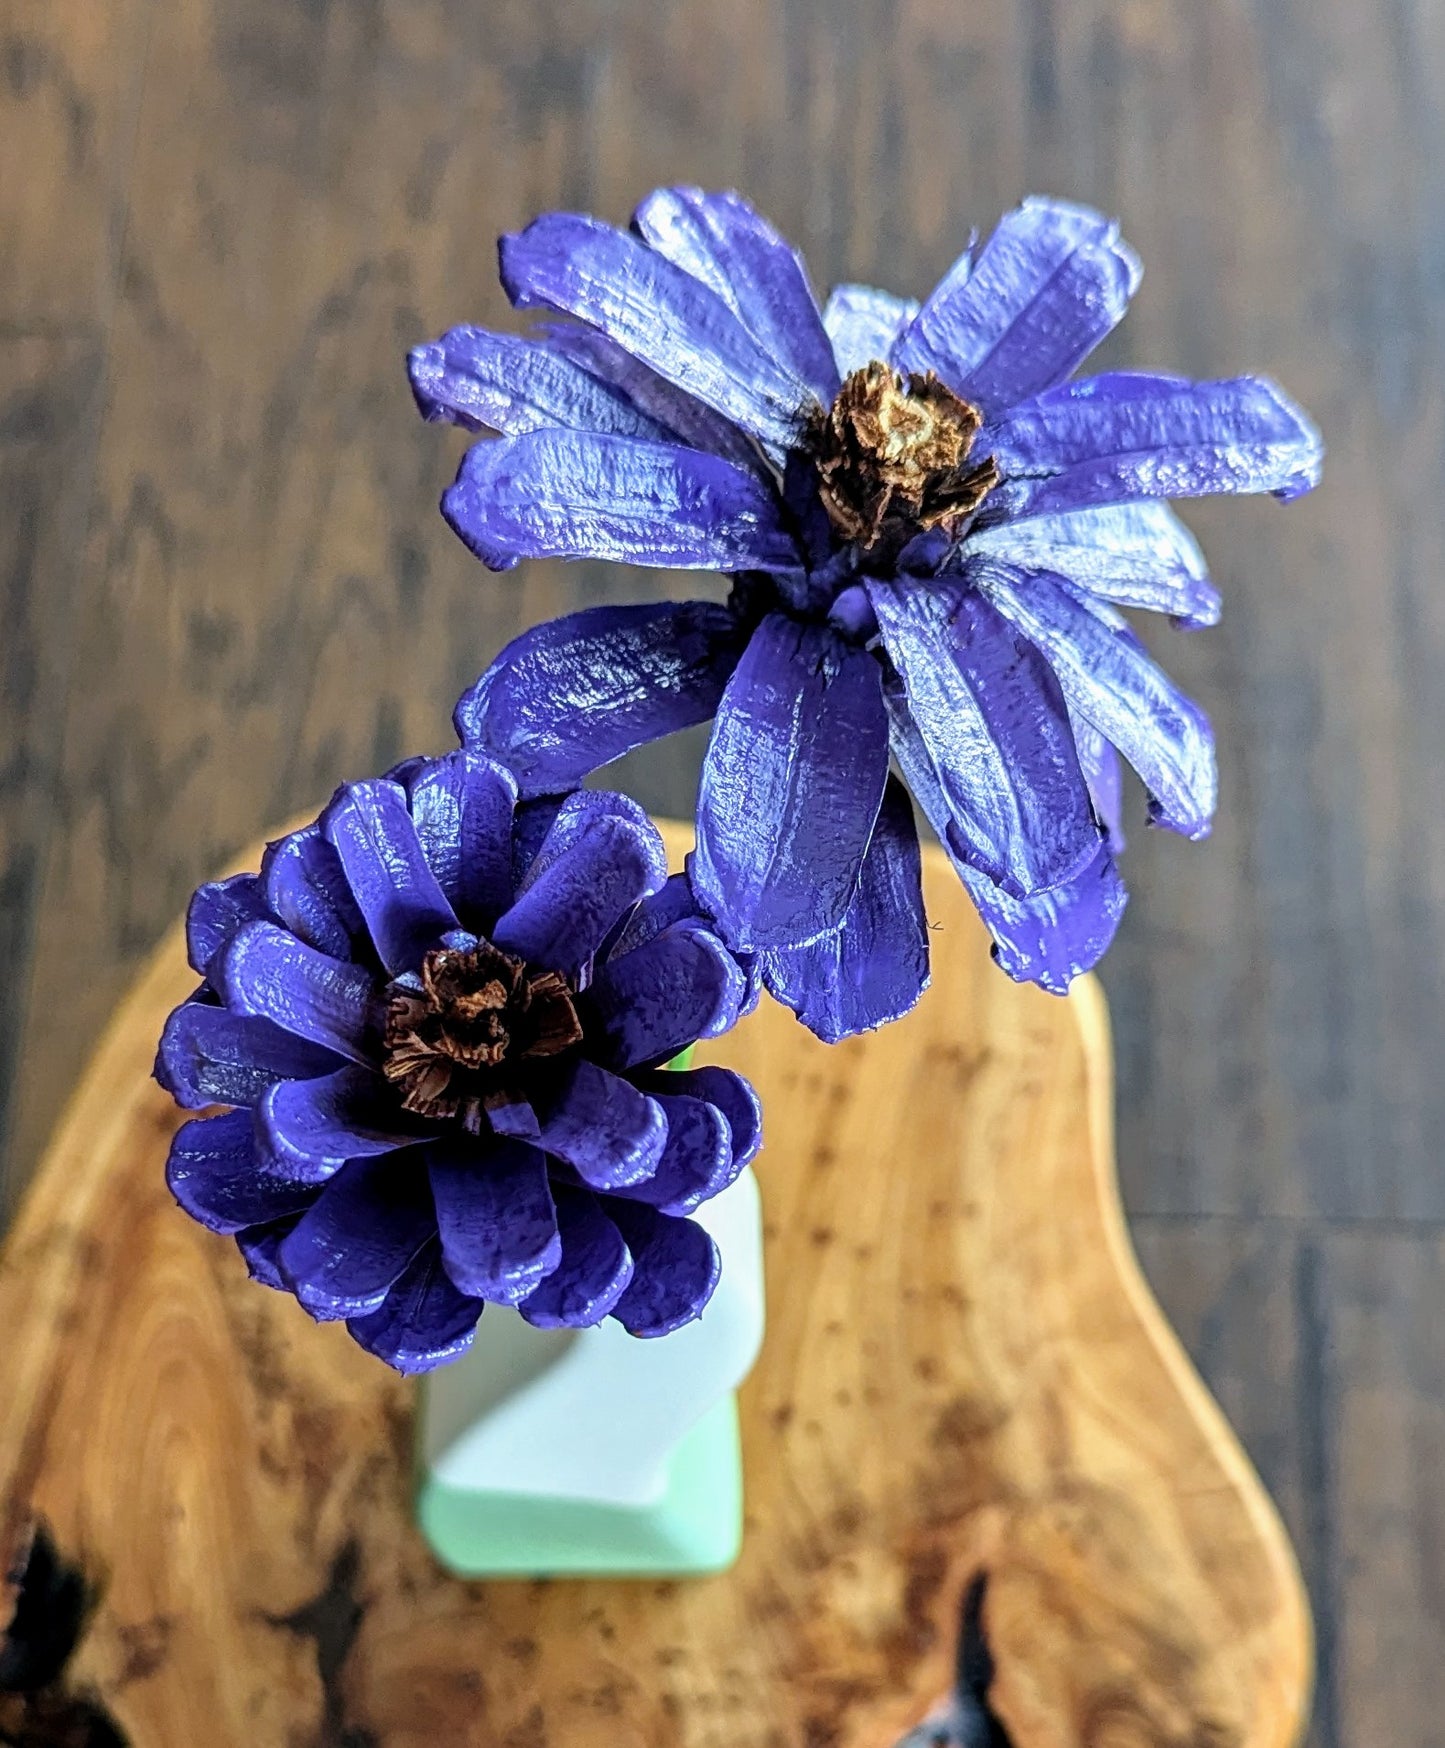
964	1377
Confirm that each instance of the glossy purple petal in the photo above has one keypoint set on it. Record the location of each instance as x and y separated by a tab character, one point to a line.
863	324
1050	283
424	1321
607	1131
576	815
500	382
1110	681
212	1173
653	1002
578	692
358	1237
531	825
572	494
564	916
874	968
725	1089
1130	435
260	1248
1135	555
267	972
672	903
697	1162
676	1269
726	244
406	910
308	1129
216	911
997	732
659	313
306	889
208	1056
594	1271
496	1217
462	806
791	786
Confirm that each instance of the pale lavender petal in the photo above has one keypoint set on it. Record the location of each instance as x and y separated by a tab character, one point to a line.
653	1002
306	889
1104	775
308	1129
578	692
1049	284
676	1269
209	1056
496	1217
594	1271
725	1089
1135	555
572	494
607	1131
791	786
1110	681
406	910
997	732
267	972
726	244
863	324
216	911
212	1173
659	313
1130	435
875	967
358	1237
697	1162
424	1322
500	382
462	806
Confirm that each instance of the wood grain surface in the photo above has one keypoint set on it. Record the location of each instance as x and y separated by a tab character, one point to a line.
964	1385
225	585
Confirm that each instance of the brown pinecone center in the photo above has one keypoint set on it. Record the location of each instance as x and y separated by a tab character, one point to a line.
462	1043
892	454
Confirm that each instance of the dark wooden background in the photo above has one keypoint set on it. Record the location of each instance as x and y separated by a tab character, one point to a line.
225	585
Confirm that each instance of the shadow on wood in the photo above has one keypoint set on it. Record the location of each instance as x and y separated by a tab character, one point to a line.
965	1387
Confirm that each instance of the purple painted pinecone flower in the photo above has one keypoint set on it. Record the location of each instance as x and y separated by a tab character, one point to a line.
931	530
441	1019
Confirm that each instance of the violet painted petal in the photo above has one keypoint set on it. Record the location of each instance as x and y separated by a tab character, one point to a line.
306	889
874	968
564	916
260	1248
500	382
1049	284
607	1131
672	903
212	1173
496	1217
791	786
216	911
308	1129
659	313
697	1162
267	972
209	1056
406	910
594	1271
1048	939
997	732
424	1321
462	807
1131	435
1135	555
1110	681
1102	772
732	1095
576	815
863	324
531	823
653	1002
676	1269
578	692
358	1237
726	244
572	494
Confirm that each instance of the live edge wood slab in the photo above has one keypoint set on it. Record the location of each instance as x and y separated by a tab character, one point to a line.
966	1387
